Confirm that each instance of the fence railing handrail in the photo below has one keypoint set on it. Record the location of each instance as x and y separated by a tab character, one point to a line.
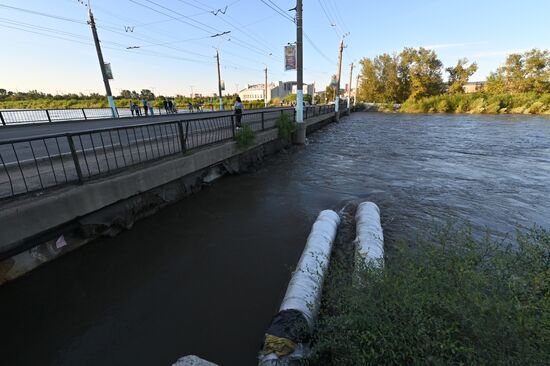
114	128
49	115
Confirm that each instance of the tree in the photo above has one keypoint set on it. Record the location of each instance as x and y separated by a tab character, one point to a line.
425	73
147	94
126	94
459	75
369	89
3	92
330	94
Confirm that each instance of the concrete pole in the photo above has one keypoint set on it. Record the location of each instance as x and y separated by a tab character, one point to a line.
91	21
349	86
301	130
337	99
356	89
265	89
219	80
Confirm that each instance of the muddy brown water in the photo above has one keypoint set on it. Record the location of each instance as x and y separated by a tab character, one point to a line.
205	275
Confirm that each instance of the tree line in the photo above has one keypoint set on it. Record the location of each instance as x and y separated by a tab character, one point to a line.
418	73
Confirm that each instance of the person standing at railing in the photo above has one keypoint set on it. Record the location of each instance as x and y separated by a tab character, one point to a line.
238	107
145	109
165	104
132	108
150	106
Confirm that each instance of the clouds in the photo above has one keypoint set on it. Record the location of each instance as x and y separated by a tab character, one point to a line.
454	45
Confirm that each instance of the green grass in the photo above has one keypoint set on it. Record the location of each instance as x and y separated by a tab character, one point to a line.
455	300
480	103
285	125
245	137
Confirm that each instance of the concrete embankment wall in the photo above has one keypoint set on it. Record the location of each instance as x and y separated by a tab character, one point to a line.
35	230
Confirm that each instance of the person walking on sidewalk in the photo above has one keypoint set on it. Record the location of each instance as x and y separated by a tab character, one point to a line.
145	109
238	107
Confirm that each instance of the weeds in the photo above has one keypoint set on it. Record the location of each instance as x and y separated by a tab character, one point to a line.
285	125
245	137
452	301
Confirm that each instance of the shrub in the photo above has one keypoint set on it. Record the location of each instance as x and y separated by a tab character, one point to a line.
245	137
285	125
455	300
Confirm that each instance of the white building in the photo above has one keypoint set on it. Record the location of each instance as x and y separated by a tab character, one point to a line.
280	90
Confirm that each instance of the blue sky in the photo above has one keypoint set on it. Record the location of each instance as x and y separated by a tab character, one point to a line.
176	51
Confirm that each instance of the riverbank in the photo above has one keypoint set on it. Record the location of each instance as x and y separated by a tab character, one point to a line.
455	300
480	103
472	103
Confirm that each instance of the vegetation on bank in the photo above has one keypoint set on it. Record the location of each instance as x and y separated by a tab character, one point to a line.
38	100
455	300
480	103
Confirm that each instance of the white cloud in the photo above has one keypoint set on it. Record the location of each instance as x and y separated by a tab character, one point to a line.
453	45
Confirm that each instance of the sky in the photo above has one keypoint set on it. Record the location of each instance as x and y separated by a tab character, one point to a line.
47	45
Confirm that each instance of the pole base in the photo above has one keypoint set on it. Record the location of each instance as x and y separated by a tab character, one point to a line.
300	134
337	116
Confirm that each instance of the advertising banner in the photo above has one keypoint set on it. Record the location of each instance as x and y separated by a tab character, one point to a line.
290	57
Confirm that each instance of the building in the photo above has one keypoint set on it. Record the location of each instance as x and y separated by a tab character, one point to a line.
279	90
474	86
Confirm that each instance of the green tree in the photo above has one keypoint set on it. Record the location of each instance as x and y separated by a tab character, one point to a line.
425	73
126	94
330	93
459	75
147	94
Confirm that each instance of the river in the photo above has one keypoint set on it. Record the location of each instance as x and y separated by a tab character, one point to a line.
204	276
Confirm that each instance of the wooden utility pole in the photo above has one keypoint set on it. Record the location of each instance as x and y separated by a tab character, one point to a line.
349	86
265	89
301	130
91	22
337	99
219	80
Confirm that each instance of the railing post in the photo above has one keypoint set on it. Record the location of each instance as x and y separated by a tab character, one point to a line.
182	137
233	124
2	119
84	114
263	121
48	114
75	158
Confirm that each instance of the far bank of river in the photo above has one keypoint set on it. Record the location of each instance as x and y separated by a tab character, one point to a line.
472	103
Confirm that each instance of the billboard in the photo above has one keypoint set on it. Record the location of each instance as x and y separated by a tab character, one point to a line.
290	57
108	71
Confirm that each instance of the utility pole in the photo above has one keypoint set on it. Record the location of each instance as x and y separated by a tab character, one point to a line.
301	130
349	86
356	90
91	21
265	88
219	80
337	99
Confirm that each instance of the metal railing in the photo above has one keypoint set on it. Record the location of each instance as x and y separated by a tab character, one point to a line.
29	165
27	116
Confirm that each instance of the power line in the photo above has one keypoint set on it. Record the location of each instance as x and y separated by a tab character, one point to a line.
42	14
317	49
279	11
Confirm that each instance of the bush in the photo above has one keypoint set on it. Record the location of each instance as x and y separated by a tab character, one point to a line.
285	125
245	137
456	300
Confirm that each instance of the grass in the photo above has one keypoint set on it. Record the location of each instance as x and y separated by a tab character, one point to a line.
245	137
480	103
455	300
285	125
